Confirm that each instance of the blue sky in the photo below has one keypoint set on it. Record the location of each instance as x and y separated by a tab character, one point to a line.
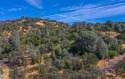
64	10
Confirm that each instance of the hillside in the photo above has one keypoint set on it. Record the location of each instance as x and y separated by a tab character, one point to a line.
35	48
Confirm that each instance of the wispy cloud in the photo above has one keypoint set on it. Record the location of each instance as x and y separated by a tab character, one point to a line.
35	3
63	17
88	12
71	8
21	6
15	9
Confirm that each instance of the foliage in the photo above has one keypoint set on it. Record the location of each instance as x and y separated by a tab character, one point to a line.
15	40
112	53
102	49
120	68
86	41
15	73
89	59
74	50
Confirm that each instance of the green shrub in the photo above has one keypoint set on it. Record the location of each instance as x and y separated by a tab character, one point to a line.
112	53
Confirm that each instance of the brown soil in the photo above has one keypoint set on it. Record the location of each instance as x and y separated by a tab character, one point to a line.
123	46
114	34
40	23
6	72
104	64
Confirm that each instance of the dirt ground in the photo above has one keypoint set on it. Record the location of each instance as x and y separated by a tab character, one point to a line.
104	64
107	64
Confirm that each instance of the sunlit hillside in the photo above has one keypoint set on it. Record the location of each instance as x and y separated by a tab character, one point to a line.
34	48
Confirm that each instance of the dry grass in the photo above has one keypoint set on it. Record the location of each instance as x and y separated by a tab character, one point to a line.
7	33
104	64
109	75
114	34
61	72
40	23
72	41
31	74
21	21
6	72
49	54
20	28
123	46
